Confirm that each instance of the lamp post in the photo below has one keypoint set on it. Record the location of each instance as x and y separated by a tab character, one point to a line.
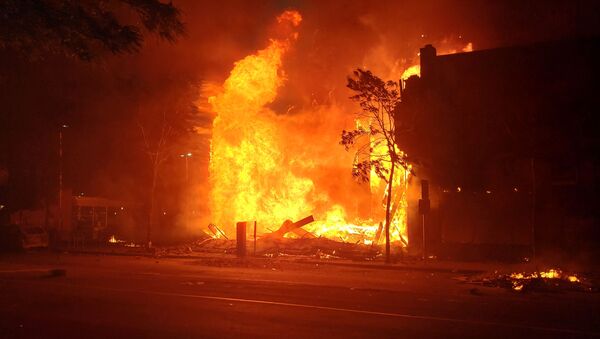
60	175
186	156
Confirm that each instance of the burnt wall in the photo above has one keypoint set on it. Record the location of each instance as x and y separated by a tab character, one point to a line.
509	138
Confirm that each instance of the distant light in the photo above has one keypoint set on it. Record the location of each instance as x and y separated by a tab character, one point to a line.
1	207
165	213
515	189
458	189
65	126
122	208
488	192
460	36
81	194
189	154
422	35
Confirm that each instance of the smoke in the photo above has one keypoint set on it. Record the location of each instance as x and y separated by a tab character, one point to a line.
312	107
100	100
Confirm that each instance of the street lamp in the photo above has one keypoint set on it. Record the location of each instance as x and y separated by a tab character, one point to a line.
186	156
60	175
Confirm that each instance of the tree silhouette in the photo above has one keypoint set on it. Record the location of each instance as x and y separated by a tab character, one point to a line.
165	128
377	100
84	29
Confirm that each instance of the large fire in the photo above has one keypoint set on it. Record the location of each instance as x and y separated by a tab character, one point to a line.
251	176
254	174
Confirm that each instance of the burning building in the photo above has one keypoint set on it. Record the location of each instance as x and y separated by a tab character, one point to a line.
269	167
508	139
510	170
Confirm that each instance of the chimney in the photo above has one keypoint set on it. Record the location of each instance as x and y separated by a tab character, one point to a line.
428	54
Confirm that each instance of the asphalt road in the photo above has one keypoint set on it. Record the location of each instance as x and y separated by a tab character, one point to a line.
129	297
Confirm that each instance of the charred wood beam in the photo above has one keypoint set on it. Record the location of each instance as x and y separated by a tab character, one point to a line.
289	226
217	231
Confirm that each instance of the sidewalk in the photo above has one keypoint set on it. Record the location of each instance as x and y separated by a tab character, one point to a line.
407	264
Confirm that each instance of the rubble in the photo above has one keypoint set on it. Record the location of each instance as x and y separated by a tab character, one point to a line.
552	280
315	247
289	226
272	247
217	232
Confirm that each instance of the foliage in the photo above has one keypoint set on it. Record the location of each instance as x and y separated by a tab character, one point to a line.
378	153
377	100
84	28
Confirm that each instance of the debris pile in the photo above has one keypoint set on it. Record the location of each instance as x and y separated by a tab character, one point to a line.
321	248
552	280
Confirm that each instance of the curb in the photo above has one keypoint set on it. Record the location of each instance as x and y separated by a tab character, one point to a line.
33	273
392	267
395	267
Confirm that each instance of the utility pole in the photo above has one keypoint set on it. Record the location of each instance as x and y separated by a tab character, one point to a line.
424	206
186	156
60	176
533	205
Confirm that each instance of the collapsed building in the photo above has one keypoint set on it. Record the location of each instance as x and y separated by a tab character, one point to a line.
507	139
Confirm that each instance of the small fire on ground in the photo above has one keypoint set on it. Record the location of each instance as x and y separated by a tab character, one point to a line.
551	280
521	279
114	240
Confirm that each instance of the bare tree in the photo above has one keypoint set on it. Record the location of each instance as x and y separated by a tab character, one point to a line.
158	150
377	100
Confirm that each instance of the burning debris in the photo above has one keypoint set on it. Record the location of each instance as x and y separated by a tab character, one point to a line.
216	231
552	280
317	248
257	174
295	227
113	240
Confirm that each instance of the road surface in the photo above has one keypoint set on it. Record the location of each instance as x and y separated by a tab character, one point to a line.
138	297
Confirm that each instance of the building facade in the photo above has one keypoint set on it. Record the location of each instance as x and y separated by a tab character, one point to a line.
508	139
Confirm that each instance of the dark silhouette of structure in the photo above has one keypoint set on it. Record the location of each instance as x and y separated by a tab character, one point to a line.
508	139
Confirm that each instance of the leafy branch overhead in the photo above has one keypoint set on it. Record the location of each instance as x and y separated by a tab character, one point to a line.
376	144
84	29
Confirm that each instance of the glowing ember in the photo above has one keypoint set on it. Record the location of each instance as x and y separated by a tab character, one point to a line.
114	240
519	279
551	274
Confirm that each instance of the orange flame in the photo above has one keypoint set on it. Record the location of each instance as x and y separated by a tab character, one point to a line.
416	69
253	178
249	176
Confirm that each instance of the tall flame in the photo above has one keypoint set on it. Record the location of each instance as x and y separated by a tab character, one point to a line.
254	177
249	176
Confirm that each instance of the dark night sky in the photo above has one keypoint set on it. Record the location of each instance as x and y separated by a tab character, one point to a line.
101	100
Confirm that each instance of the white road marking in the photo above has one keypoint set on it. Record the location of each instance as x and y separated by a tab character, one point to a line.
337	309
349	310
